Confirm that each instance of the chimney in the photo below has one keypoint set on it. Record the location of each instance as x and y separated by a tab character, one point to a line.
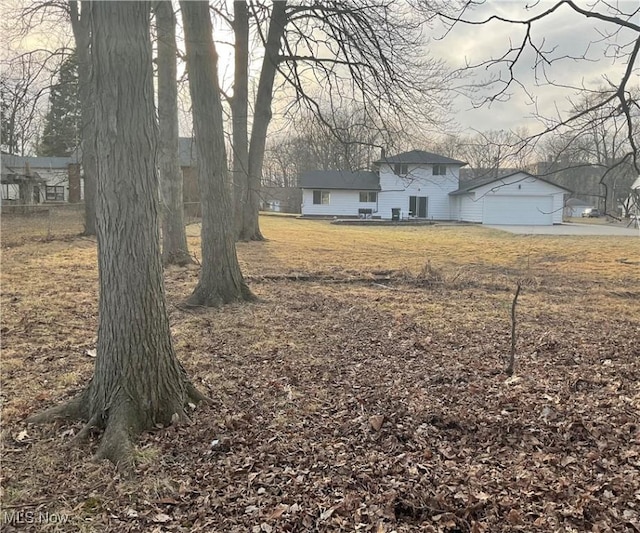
383	154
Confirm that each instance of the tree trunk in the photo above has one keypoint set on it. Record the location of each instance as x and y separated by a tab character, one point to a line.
261	120
81	33
138	381
239	114
220	277
174	236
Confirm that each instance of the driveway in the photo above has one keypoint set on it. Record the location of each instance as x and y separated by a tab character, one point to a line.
571	228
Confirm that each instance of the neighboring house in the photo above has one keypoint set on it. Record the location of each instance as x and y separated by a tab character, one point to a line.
34	180
280	199
413	184
574	207
518	199
423	185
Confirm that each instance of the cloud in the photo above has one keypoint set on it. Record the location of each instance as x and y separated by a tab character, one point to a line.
574	44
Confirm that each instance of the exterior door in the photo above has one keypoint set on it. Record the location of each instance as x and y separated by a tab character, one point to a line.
418	206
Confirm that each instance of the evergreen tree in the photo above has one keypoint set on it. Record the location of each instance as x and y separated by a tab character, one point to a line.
61	132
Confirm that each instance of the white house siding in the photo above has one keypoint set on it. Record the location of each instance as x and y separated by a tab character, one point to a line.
530	194
341	204
419	181
558	206
470	210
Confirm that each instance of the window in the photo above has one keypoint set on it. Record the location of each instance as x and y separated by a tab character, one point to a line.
55	193
401	169
321	197
368	197
439	170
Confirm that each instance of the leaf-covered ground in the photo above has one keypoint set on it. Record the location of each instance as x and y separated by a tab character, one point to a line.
363	392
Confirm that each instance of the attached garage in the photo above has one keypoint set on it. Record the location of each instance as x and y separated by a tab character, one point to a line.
517	210
516	199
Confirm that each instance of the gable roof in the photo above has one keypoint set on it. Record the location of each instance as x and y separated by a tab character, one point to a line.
17	162
420	157
340	179
470	185
577	202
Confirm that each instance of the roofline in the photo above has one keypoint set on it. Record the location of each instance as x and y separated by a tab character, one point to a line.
508	176
451	160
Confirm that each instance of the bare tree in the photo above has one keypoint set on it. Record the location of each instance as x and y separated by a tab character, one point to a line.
24	83
220	279
240	116
331	52
82	34
615	101
138	381
174	237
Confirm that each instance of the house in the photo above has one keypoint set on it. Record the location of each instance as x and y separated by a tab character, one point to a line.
517	199
574	207
280	199
34	180
413	184
424	185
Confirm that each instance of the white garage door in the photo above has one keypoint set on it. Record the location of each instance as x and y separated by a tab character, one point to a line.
518	210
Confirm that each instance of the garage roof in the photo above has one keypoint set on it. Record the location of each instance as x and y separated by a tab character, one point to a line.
470	185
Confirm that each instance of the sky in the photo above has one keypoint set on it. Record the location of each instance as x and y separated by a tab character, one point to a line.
564	32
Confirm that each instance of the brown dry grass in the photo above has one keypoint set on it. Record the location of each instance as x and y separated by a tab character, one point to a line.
296	376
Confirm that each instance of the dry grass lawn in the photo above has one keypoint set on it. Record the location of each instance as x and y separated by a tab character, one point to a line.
363	392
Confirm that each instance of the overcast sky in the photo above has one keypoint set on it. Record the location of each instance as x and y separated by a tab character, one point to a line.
564	32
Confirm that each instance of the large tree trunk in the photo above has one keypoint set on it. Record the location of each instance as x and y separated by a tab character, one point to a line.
261	120
220	277
174	236
239	115
81	33
138	381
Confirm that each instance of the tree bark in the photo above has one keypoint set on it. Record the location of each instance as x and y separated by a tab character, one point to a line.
239	114
220	279
81	33
138	381
261	120
174	236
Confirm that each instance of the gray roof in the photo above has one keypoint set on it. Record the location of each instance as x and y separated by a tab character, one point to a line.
577	202
16	163
468	186
340	179
420	157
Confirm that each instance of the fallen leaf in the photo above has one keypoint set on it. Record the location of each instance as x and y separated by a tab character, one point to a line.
161	518
325	515
376	422
570	459
278	512
514	517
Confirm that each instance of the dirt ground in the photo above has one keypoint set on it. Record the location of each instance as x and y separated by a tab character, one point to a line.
364	391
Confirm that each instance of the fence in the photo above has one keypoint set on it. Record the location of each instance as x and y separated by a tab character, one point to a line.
23	223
